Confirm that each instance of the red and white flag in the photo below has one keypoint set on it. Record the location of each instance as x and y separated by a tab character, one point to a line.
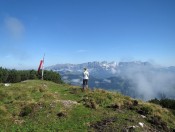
40	66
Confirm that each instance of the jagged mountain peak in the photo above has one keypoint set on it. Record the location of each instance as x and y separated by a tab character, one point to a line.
99	69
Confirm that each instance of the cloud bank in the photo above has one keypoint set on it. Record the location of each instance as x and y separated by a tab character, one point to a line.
150	82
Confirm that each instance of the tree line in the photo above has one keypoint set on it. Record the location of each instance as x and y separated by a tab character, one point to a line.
14	76
167	103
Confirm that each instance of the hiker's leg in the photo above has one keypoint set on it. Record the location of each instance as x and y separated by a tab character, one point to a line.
83	84
87	83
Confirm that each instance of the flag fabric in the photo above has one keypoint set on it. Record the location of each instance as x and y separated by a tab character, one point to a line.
40	65
43	67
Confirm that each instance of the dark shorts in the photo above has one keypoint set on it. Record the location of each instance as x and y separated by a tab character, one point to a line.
85	81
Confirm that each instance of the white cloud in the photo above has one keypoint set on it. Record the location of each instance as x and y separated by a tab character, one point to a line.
149	82
97	82
76	80
14	26
106	80
65	77
114	71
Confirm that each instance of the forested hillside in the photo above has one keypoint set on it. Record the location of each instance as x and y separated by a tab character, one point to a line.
13	76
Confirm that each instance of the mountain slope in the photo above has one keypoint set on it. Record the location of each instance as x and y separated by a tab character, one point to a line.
35	105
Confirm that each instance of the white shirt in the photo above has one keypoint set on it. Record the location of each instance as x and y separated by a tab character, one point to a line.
86	75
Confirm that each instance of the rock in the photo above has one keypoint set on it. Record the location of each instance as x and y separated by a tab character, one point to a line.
7	84
19	121
143	116
141	124
68	103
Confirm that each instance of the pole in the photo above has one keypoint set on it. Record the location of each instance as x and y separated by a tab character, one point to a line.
43	67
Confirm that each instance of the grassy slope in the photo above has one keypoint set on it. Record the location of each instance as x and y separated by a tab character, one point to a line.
45	106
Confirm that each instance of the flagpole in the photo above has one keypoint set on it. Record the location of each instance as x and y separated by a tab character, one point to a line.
43	67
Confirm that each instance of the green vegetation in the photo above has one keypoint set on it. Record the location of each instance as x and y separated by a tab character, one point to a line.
167	103
36	105
14	76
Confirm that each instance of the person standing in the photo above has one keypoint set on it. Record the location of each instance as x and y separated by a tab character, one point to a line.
85	78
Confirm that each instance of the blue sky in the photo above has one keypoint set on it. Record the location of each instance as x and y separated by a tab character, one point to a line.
77	31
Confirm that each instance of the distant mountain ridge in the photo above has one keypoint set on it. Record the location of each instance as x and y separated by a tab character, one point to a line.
137	79
97	69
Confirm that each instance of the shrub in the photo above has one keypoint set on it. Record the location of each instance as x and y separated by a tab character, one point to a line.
145	110
167	103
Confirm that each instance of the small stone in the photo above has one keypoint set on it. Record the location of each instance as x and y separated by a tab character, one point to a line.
7	84
143	116
141	124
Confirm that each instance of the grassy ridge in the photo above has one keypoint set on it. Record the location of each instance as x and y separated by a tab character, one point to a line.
36	105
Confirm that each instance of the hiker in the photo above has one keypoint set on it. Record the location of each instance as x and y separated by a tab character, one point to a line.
85	78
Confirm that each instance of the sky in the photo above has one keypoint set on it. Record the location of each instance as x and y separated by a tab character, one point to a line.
78	31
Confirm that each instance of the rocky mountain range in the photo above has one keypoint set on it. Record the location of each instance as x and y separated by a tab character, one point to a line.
136	79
